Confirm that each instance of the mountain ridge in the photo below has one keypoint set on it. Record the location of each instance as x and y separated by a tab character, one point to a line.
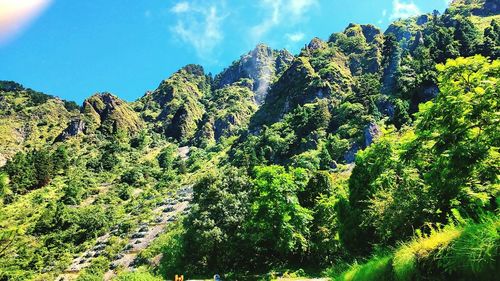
373	156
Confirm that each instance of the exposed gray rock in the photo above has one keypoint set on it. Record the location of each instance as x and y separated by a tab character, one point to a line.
316	44
74	128
261	65
3	160
350	155
418	41
183	152
371	132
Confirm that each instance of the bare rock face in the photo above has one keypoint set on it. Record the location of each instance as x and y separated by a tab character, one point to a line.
350	155
418	41
261	65
3	160
74	128
316	44
371	132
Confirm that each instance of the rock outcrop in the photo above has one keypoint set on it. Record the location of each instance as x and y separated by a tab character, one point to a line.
29	119
228	111
109	114
262	65
362	44
74	128
176	107
371	132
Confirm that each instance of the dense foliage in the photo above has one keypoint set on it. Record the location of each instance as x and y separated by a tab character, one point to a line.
371	155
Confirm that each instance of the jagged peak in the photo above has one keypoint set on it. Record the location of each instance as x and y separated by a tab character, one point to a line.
260	64
261	45
316	43
368	31
103	101
106	97
194	69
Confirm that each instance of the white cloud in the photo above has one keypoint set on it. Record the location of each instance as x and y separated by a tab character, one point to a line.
297	7
180	7
295	37
199	26
272	20
401	10
279	10
383	18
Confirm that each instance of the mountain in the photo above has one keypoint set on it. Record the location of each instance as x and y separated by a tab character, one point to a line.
29	119
176	107
109	114
261	65
369	155
229	110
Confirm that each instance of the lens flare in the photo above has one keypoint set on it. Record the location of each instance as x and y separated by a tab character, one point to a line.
16	15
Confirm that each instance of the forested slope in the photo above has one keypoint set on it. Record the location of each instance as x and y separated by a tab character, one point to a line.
370	155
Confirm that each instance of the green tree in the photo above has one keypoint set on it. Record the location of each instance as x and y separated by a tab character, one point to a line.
370	163
213	239
491	41
401	116
458	134
367	92
321	196
441	44
4	185
73	192
44	167
60	159
167	157
279	226
22	173
467	36
389	48
319	184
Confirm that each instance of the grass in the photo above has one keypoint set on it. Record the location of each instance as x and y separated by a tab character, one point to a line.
475	252
483	22
407	256
377	268
467	252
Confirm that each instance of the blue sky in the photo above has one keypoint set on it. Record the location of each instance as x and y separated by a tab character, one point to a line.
73	49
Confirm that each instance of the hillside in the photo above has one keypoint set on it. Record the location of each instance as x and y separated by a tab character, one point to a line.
369	155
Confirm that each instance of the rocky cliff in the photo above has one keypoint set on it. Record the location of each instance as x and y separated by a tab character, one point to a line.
262	66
